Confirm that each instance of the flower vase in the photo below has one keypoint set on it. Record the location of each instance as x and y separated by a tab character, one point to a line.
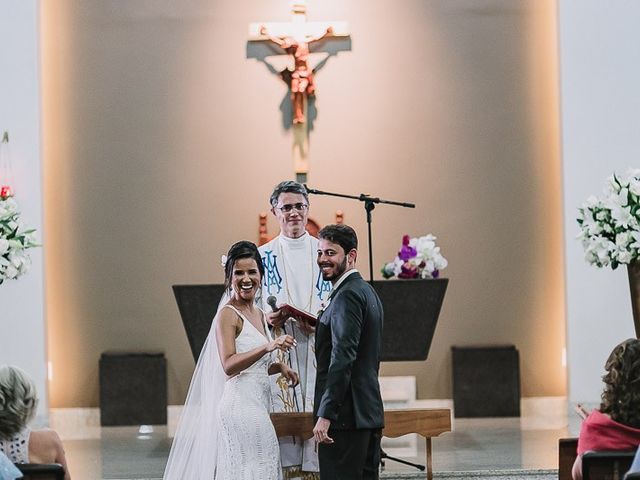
633	269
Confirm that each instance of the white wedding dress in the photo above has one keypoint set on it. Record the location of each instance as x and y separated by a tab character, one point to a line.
225	432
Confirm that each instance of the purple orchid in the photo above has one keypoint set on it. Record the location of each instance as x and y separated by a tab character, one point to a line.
407	252
408	271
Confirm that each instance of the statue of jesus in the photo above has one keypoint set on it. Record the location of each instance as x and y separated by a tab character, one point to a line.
301	79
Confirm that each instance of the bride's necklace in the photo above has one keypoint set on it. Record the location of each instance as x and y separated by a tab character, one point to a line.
307	307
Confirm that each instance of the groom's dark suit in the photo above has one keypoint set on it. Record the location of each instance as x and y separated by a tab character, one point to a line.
348	345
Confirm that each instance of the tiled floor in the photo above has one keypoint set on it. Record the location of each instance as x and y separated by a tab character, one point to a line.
474	447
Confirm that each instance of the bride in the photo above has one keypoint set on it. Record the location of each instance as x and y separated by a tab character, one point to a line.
225	431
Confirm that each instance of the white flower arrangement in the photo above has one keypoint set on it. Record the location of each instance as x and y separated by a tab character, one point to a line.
14	241
610	226
417	258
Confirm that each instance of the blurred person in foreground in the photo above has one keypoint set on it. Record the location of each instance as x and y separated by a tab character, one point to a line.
18	403
616	425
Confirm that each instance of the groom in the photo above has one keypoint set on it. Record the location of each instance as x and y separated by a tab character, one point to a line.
348	405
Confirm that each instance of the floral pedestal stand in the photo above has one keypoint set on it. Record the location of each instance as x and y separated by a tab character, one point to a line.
633	269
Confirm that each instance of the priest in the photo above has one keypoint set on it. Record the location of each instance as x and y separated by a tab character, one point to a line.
292	276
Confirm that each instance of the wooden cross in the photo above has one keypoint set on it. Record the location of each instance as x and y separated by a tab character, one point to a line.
294	38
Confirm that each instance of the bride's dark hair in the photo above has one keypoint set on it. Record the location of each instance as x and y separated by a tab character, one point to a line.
241	249
621	396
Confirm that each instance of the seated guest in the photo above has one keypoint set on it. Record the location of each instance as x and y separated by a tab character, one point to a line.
635	466
616	426
18	401
8	470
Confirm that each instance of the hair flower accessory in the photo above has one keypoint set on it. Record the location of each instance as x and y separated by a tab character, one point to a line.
417	258
223	261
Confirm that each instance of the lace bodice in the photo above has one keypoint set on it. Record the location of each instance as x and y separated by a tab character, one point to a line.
249	447
225	432
249	339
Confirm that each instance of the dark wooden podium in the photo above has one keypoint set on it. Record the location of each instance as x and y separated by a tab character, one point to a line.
411	311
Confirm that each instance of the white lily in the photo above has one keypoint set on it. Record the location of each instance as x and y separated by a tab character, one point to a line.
634	186
623	239
621	215
612	185
8	208
14	257
624	256
441	262
635	235
10	272
623	197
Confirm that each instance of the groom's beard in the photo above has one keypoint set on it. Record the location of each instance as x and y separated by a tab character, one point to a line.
337	271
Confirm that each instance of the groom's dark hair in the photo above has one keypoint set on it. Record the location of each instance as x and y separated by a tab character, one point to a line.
343	235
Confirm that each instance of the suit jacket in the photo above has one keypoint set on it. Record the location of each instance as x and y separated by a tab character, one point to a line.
348	346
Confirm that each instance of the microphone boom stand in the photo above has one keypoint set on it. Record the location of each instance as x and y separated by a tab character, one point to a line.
369	204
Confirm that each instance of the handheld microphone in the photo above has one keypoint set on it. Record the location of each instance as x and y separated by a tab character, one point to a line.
271	300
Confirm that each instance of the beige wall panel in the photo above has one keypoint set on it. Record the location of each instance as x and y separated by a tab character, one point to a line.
163	141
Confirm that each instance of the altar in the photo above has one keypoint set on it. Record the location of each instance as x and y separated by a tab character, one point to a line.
411	311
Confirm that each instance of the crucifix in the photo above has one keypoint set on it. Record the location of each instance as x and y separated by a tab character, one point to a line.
294	38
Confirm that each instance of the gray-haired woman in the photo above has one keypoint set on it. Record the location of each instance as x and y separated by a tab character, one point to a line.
18	402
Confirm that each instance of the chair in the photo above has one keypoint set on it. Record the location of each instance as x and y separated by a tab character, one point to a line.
634	471
606	465
41	471
567	453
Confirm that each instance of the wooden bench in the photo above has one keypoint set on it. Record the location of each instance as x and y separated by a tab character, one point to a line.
427	422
